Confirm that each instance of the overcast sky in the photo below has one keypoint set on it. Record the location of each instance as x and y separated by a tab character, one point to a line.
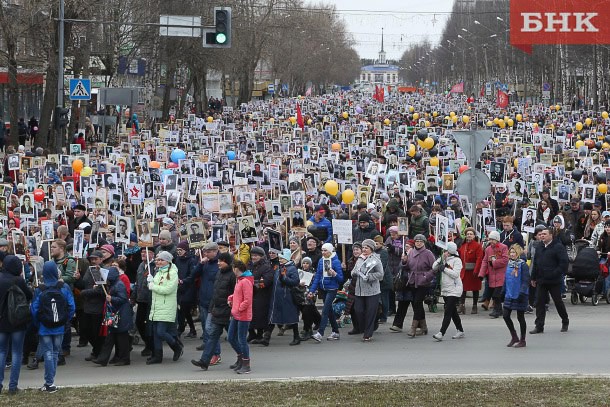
404	22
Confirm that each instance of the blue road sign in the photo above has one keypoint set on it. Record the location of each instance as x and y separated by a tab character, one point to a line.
80	89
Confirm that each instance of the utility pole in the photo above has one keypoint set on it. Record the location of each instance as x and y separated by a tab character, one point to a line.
60	79
595	86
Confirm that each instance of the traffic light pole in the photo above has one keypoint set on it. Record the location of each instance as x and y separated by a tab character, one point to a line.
60	79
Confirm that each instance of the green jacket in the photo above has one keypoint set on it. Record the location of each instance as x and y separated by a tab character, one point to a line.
419	225
67	268
164	295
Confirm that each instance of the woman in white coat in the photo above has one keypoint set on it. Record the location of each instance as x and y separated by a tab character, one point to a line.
449	267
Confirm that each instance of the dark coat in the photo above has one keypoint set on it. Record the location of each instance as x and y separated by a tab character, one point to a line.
207	272
10	276
187	270
282	309
263	284
93	297
551	263
224	285
119	302
388	277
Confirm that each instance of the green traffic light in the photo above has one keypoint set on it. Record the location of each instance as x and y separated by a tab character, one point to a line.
221	38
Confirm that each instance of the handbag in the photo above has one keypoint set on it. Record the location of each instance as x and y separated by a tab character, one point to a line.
111	319
298	294
399	284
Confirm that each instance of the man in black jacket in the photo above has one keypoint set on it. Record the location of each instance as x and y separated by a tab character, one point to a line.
551	264
220	310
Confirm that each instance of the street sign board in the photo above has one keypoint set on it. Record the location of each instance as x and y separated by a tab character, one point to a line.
271	89
474	184
80	89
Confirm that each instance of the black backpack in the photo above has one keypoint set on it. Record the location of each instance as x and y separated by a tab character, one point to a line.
18	306
53	307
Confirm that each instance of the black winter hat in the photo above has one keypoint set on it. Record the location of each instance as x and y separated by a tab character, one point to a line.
226	258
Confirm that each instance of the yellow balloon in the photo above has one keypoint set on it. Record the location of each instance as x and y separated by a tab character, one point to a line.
558	108
434	114
579	144
602	188
506	118
605	145
420	143
411	109
588	121
434	161
345	115
465	119
428	124
347	196
454	119
451	114
415	116
428	143
210	119
309	122
510	122
496	120
331	187
489	123
519	117
292	119
386	122
578	126
86	172
501	123
411	150
605	115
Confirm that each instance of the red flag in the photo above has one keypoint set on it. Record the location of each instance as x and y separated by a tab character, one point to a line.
457	88
300	121
482	91
502	99
376	95
381	94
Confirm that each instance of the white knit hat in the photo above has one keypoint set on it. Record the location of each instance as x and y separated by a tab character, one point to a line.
329	247
494	235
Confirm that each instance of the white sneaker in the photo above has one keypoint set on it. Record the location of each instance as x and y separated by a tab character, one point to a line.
458	335
394	328
334	336
438	336
317	337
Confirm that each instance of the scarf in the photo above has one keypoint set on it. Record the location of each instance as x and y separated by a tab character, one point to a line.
129	250
516	265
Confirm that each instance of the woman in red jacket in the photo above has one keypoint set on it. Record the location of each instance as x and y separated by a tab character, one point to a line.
493	266
471	253
241	315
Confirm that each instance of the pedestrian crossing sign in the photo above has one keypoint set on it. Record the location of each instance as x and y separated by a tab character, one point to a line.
80	89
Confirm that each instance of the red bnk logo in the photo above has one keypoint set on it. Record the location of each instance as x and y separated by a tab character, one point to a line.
567	22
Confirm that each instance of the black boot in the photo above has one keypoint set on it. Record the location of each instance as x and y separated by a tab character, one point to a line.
177	348
306	335
237	364
266	337
296	340
156	358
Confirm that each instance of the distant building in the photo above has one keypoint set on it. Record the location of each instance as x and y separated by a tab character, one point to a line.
380	73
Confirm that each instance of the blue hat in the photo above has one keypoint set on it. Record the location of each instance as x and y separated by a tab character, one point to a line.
285	254
50	275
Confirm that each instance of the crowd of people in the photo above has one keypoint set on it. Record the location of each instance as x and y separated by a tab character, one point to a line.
294	214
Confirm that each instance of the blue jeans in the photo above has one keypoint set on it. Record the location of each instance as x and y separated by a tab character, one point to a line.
164	331
16	341
51	346
327	312
214	332
206	320
238	334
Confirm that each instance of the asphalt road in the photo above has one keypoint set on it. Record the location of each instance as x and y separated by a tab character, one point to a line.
581	351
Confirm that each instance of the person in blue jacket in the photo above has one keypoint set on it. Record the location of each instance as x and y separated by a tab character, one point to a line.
327	280
516	292
51	338
320	221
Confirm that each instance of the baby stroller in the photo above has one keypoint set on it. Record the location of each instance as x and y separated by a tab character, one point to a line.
338	307
585	279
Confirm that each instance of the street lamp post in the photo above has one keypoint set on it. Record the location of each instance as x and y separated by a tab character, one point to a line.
60	77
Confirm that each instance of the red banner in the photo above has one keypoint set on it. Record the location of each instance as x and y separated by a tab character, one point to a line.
534	22
502	100
457	88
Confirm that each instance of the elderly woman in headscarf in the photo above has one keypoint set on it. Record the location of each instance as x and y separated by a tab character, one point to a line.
367	273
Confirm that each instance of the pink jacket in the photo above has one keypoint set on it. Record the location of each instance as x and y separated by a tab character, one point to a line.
241	308
496	270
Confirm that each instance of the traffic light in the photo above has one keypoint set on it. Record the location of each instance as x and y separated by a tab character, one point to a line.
61	117
220	35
